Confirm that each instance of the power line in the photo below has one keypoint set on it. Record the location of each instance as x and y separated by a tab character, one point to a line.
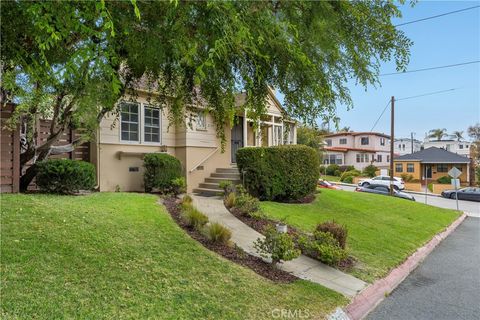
432	68
438	15
384	109
427	94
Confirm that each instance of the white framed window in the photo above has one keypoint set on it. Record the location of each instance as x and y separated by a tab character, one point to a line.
129	121
364	141
343	141
151	124
382	141
201	123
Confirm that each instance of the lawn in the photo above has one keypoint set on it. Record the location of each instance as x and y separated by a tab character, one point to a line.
330	178
120	255
382	231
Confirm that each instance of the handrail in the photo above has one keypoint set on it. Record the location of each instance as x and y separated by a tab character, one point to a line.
204	159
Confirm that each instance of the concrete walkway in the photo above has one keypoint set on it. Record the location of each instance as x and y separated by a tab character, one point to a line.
302	267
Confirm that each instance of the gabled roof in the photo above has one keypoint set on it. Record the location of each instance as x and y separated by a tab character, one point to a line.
434	155
383	135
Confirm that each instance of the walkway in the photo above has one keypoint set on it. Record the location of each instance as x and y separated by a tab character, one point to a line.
445	286
302	267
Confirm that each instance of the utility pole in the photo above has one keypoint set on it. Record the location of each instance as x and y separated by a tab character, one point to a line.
392	137
411	140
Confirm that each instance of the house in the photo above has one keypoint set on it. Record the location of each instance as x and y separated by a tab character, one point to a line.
432	163
358	149
459	147
140	128
406	146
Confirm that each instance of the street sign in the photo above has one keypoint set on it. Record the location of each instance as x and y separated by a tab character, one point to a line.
455	183
454	173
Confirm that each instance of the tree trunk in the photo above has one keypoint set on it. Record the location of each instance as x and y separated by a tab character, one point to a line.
27	178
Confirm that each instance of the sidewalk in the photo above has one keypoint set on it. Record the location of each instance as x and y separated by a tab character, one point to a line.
302	267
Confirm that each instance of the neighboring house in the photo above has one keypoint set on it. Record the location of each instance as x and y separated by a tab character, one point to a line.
404	146
459	147
358	149
140	129
432	163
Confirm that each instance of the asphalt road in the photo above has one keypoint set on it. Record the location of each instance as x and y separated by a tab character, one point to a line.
470	207
445	286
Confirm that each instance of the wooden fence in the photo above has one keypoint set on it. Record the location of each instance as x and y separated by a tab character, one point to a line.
10	151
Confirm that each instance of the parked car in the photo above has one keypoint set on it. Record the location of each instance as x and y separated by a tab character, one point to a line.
384	190
398	183
327	185
470	193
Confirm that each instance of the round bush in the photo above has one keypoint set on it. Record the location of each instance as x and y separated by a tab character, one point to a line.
281	173
160	171
65	176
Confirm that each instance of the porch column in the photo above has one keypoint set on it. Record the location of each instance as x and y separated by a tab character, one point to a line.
294	134
245	129
468	174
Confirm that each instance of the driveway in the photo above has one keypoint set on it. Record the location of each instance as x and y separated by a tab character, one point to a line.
470	207
445	286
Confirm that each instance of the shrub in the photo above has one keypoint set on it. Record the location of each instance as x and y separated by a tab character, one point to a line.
331	169
370	171
65	176
230	200
347	179
227	187
246	204
338	231
279	173
347	176
160	171
178	186
346	168
406	177
277	246
444	180
187	199
337	173
323	247
215	232
193	217
322	170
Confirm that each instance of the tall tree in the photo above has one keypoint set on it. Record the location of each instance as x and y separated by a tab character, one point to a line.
457	135
72	60
474	132
438	134
310	136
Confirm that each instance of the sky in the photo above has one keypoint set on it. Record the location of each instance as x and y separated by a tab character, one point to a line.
441	41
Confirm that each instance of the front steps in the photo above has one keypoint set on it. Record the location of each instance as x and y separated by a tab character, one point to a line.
211	185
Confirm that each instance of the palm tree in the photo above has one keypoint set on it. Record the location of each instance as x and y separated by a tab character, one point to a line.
437	133
345	129
457	135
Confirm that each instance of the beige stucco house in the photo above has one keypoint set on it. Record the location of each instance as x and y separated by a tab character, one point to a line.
139	129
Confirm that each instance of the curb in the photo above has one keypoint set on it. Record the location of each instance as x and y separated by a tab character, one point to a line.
409	191
371	296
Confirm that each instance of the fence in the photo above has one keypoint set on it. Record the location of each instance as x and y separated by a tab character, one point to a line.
10	150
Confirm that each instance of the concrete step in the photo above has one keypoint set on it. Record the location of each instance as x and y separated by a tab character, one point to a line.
207	192
227	170
210	185
218	180
226	176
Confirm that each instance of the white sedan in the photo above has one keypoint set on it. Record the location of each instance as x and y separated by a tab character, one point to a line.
398	183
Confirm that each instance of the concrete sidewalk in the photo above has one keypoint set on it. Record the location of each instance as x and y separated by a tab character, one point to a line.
302	267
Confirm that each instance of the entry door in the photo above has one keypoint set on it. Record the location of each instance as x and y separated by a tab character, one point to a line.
428	171
237	138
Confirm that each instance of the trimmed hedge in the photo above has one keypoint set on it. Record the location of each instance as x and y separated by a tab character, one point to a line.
281	173
160	171
65	176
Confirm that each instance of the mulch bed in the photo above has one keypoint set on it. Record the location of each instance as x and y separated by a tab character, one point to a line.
232	253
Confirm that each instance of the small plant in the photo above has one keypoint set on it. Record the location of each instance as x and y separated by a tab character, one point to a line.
227	187
187	199
337	173
246	204
277	246
215	232
230	200
338	231
370	171
117	188
331	169
444	180
194	218
258	215
178	186
406	177
323	247
347	179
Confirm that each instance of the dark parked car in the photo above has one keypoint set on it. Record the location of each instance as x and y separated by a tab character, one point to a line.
384	190
470	193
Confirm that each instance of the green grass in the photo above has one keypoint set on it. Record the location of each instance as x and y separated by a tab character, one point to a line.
329	178
382	231
120	255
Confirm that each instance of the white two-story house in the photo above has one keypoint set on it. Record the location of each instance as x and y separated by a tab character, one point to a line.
358	149
461	148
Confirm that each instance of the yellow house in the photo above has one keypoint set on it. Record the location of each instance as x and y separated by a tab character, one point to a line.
431	164
140	128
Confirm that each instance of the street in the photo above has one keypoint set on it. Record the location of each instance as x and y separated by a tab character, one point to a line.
445	286
470	207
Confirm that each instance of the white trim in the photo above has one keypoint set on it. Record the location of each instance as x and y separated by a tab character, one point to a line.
141	125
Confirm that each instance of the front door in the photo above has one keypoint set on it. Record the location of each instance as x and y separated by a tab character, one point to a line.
237	138
428	171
